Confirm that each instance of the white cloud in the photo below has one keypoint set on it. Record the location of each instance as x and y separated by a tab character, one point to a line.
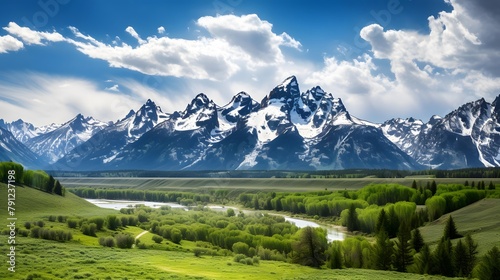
43	99
161	30
130	30
114	88
9	43
248	32
32	37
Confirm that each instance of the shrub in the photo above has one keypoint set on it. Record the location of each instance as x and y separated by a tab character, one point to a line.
98	221
89	229
113	222
61	219
107	241
72	223
27	225
52	218
239	257
157	239
124	241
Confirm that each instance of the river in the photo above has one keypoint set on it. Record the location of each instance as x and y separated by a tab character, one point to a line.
333	232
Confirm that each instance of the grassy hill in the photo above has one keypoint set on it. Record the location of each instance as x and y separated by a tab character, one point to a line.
481	220
35	204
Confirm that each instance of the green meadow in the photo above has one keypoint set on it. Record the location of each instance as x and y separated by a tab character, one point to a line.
83	258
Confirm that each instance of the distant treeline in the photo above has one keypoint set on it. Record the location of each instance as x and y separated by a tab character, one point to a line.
490	172
36	179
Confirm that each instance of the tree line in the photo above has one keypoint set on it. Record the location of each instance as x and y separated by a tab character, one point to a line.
37	179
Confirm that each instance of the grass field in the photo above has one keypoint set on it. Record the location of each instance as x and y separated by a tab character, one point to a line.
481	220
42	259
82	258
245	184
35	204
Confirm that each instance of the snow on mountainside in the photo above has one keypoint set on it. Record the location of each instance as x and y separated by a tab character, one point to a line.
13	150
104	145
467	137
53	145
288	129
24	131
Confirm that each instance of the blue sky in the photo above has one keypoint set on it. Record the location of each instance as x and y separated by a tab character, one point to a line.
385	59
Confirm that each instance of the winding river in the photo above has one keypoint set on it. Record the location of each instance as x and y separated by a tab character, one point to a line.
333	232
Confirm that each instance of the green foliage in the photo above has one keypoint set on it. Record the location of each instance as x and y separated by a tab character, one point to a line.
417	240
352	219
124	241
470	256
450	230
423	260
18	169
383	251
241	248
460	258
157	239
107	241
230	212
489	267
381	194
176	236
72	223
442	260
88	229
403	255
112	222
310	249
334	255
436	207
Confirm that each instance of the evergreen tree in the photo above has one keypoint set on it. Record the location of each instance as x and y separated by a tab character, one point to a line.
460	258
50	184
402	255
383	251
58	188
423	260
417	241
471	248
414	185
256	202
443	258
450	230
433	187
466	183
382	221
393	218
335	255
310	249
489	268
352	219
491	186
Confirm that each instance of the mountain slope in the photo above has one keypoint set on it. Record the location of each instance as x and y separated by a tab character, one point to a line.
13	150
466	137
104	145
55	144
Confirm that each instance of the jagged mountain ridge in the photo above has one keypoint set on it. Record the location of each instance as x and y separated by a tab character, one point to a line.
466	137
54	144
288	129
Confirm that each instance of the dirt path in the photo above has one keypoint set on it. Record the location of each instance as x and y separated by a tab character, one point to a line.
141	234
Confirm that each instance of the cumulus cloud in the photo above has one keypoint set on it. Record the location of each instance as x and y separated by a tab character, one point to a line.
43	99
434	72
247	42
161	30
32	37
130	30
248	32
9	43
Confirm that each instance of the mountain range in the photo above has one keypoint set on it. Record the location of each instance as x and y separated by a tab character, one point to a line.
287	130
